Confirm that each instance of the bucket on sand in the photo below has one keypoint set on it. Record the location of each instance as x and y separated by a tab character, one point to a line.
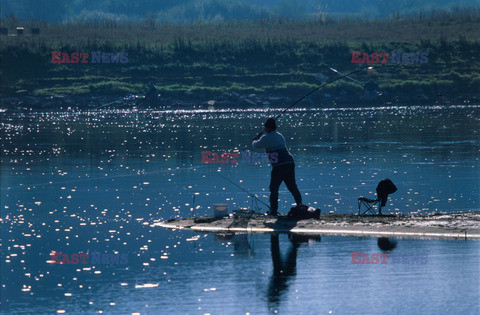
220	210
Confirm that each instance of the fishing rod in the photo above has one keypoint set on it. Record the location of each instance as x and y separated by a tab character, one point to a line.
348	77
315	90
250	194
107	104
127	98
321	86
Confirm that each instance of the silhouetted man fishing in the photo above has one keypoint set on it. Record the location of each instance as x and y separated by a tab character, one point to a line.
371	90
151	97
283	165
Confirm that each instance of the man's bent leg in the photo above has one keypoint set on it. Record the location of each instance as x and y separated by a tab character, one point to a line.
275	181
291	183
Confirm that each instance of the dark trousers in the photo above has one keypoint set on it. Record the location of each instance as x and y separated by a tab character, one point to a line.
283	173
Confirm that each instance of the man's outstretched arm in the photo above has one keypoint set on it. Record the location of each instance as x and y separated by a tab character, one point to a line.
259	144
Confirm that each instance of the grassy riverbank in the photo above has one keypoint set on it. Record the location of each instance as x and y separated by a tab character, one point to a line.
267	56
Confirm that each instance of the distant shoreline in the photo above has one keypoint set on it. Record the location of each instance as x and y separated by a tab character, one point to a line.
271	58
224	100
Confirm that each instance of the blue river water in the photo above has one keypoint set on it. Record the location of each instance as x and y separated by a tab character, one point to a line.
92	182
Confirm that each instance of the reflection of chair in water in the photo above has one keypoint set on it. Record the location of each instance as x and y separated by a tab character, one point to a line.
386	244
367	205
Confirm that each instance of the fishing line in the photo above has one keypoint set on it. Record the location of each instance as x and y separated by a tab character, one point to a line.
135	173
319	87
243	189
323	85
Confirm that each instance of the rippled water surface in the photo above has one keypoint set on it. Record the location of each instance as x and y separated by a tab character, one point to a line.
93	182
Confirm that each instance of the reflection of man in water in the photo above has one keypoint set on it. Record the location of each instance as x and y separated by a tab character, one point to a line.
282	270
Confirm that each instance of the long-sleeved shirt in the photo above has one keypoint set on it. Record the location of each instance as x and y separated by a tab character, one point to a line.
274	144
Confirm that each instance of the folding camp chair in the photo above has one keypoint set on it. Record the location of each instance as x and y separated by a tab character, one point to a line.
384	188
368	205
